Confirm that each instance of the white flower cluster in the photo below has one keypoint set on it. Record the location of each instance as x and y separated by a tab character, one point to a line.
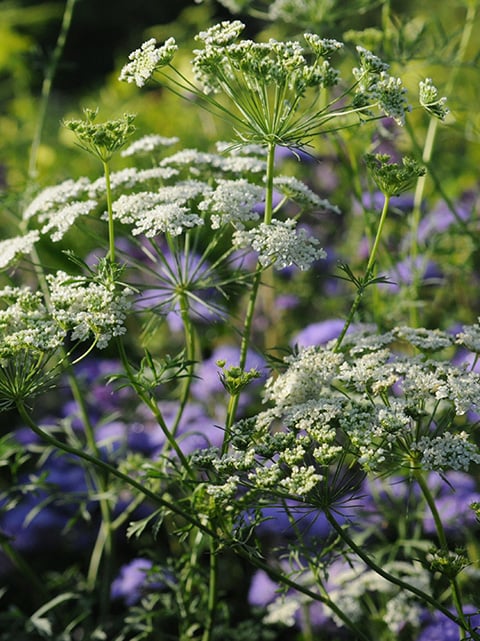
307	374
58	207
198	162
280	244
427	340
88	308
146	60
163	211
25	323
232	201
51	199
447	452
13	247
376	87
470	338
430	101
147	144
298	191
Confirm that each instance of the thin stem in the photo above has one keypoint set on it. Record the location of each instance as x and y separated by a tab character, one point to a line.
212	592
456	594
368	273
427	157
47	87
390	577
106	467
111	227
247	327
190	354
151	403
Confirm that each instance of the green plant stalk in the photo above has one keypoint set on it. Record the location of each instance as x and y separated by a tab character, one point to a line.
428	152
393	579
106	467
190	345
212	592
151	403
47	87
456	594
247	327
111	227
368	273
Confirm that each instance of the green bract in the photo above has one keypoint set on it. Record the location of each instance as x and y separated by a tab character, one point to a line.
393	179
102	139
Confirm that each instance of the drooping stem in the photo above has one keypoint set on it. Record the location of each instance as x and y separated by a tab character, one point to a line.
106	467
456	594
363	284
359	551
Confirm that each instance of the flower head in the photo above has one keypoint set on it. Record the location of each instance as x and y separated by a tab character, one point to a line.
146	60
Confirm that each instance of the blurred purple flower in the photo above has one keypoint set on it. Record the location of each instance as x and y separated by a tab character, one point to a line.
375	201
454	492
318	333
439	627
403	272
291	153
133	581
442	218
263	589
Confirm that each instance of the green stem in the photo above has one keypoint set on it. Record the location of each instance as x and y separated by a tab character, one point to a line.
247	327
151	403
212	592
106	467
368	273
47	87
427	157
456	594
111	227
390	577
190	354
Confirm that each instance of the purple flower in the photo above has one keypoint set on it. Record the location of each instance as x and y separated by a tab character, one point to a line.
263	589
318	333
442	218
403	272
132	581
375	201
440	628
454	491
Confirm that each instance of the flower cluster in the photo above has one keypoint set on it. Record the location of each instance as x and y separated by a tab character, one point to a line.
281	244
430	101
85	307
146	60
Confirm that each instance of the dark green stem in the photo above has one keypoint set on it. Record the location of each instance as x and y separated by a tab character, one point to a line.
390	577
106	467
456	595
368	273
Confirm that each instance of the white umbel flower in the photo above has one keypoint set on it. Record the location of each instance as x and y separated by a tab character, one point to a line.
280	244
12	247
